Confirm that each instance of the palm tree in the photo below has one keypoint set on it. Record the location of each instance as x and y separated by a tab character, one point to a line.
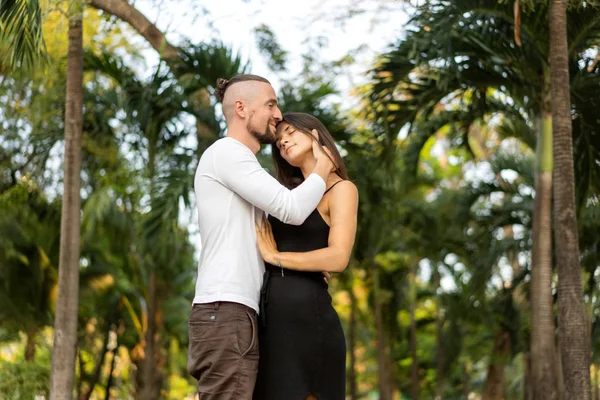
28	260
460	222
154	116
442	74
574	339
369	164
65	326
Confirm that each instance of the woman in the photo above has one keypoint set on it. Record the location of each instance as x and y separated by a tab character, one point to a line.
301	343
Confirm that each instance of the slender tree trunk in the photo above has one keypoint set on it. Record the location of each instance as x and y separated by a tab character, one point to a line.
560	380
352	339
494	388
109	382
149	379
30	346
572	327
439	327
414	369
385	387
149	382
65	326
543	376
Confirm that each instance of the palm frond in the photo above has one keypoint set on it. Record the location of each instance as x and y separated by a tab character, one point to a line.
21	40
513	125
170	189
585	97
584	27
202	64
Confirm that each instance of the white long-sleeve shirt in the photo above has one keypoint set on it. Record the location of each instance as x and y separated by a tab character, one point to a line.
232	191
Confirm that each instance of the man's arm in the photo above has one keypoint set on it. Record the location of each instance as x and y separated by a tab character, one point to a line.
239	170
343	209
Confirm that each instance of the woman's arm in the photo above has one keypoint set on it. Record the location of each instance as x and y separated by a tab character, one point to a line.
343	208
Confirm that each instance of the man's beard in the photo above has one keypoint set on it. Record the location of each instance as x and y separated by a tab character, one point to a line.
265	136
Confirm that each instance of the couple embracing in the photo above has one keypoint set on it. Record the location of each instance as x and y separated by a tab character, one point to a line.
262	324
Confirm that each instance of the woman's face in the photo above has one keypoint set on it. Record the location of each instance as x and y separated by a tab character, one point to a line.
294	146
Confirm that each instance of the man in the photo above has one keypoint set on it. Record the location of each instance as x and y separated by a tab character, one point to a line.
232	191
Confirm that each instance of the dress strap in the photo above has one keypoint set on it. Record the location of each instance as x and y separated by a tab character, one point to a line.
331	187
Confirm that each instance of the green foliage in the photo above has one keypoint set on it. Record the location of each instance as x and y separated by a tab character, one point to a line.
29	225
23	380
459	63
21	39
270	48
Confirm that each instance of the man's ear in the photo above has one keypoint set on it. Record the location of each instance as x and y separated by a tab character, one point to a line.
239	107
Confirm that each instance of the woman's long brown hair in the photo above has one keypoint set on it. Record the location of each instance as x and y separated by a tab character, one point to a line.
291	176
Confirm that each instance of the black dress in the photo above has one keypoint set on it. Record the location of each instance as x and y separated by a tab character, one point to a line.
301	341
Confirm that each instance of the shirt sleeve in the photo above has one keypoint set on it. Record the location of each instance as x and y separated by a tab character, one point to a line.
237	168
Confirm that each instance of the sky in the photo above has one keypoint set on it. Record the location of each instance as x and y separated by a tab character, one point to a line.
375	24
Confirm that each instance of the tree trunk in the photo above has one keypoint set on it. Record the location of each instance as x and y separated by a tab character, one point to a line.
148	380
126	12
109	382
352	339
439	327
385	387
560	380
494	388
30	346
572	327
65	326
543	377
414	368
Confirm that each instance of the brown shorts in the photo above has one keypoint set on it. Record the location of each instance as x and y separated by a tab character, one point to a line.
223	350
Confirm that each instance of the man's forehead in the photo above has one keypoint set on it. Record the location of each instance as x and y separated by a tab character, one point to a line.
268	89
248	90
